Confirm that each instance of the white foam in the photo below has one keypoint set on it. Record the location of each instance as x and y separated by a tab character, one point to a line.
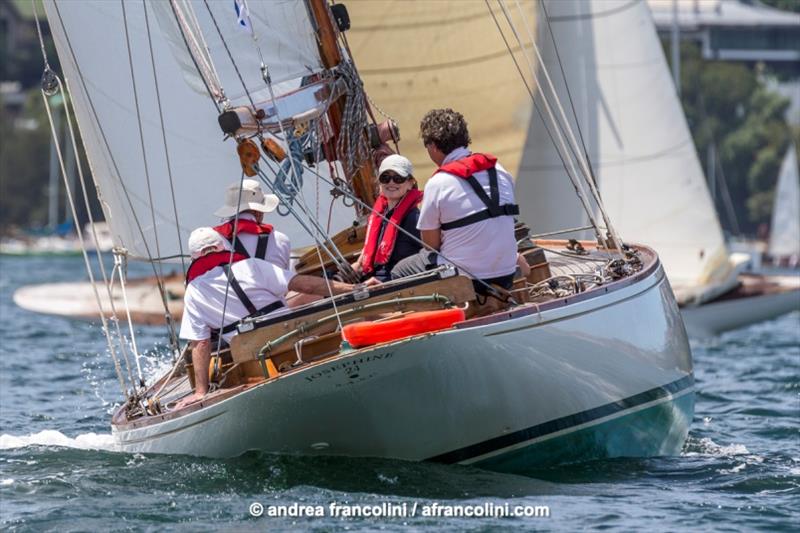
51	437
709	447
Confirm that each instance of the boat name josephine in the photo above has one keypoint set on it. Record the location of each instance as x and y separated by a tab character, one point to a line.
351	367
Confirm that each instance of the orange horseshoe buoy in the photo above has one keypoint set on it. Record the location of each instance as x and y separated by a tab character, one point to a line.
248	157
368	333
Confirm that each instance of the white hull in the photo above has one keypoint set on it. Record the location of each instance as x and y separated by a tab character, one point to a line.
77	300
716	317
468	394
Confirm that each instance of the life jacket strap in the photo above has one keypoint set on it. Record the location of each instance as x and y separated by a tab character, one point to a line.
238	247
238	290
491	201
261	247
486	214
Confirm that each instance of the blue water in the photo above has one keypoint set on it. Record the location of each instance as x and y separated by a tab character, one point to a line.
740	469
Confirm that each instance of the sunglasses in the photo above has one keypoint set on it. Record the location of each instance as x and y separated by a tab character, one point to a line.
386	178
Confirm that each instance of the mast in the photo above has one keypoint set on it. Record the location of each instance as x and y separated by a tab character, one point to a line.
363	181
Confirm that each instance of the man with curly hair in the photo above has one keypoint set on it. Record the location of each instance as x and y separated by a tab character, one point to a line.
468	210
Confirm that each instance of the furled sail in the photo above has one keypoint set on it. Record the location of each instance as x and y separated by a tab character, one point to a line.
636	137
139	177
784	240
417	56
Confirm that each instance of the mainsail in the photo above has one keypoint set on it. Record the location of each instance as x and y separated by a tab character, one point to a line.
417	56
158	186
637	140
784	240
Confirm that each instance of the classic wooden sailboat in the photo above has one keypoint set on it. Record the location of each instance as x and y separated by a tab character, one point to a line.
645	163
590	360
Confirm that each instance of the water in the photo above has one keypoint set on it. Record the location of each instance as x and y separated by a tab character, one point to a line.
739	470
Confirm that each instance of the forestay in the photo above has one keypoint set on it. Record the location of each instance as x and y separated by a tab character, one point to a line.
279	29
91	40
784	240
637	139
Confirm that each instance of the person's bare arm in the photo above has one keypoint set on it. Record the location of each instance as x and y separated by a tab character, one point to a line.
432	238
314	285
523	265
201	357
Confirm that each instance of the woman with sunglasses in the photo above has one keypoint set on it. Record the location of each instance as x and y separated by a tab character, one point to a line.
396	207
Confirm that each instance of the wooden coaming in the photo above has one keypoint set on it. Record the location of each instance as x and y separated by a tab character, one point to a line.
458	289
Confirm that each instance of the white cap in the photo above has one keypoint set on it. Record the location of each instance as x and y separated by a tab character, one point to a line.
252	198
202	239
397	164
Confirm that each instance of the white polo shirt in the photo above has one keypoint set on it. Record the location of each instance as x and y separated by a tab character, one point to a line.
263	282
279	248
486	249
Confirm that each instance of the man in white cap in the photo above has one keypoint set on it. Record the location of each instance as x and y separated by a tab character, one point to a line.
254	238
254	287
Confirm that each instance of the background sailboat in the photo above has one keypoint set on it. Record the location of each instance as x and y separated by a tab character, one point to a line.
784	238
644	160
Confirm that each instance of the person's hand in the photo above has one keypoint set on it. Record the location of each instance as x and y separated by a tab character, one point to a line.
189	400
371	282
357	268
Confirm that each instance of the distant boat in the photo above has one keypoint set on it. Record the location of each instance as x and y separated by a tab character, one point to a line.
57	245
784	239
77	299
644	159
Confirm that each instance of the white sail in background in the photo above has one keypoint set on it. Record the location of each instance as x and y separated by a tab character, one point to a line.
784	240
637	139
90	38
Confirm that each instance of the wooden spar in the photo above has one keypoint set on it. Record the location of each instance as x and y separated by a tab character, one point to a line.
364	181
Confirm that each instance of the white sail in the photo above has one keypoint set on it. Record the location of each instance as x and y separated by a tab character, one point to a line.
784	240
91	41
236	36
637	139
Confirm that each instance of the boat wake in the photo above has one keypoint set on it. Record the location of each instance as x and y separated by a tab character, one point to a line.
51	437
706	447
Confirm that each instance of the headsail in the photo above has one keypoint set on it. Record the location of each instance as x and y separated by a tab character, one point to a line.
90	37
637	140
784	239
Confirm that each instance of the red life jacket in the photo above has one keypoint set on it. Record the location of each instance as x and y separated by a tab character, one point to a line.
378	253
245	225
203	264
465	168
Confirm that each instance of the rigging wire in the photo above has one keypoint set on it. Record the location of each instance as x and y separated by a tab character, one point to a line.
568	168
563	76
116	172
168	317
215	99
103	320
561	127
230	56
584	162
120	267
312	233
164	137
98	301
230	262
